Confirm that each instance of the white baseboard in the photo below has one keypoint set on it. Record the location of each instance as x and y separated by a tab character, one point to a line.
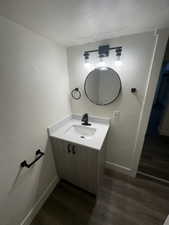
153	177
37	206
118	168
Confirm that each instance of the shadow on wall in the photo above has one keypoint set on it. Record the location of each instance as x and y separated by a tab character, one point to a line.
40	185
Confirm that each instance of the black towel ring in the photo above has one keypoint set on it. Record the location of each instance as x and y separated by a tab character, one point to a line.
76	94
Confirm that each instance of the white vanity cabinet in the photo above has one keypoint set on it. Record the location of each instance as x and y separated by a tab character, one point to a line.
79	165
79	150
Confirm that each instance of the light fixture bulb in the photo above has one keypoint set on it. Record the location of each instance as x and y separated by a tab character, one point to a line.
101	63
87	63
118	62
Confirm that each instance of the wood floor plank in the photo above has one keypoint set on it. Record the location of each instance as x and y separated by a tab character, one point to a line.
155	157
122	200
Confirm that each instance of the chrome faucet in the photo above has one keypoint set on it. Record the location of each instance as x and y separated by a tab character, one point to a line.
85	120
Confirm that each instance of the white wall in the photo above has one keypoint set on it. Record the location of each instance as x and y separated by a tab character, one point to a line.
136	57
153	77
34	90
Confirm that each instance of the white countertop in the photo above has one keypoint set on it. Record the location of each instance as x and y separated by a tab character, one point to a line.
101	125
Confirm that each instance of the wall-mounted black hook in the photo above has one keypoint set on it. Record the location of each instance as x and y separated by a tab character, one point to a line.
133	90
38	154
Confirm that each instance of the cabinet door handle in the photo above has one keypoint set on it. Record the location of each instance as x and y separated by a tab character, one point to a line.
68	148
73	149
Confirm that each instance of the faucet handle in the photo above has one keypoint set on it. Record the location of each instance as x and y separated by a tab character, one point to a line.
85	116
85	120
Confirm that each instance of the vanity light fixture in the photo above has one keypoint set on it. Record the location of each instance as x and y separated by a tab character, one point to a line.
103	51
118	55
86	56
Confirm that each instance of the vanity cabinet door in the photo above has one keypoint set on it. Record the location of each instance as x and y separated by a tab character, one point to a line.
76	164
86	168
63	158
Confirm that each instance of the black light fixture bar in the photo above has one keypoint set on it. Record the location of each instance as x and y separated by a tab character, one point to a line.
118	51
103	51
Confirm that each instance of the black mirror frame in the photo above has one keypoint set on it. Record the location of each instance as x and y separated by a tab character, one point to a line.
110	101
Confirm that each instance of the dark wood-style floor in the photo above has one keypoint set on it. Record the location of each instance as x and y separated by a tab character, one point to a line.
122	200
155	157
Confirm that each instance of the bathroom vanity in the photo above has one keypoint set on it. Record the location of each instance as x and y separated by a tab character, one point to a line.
79	151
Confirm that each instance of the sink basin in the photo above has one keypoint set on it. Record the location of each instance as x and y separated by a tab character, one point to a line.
71	130
81	131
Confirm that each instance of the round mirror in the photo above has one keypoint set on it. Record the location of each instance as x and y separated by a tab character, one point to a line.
102	86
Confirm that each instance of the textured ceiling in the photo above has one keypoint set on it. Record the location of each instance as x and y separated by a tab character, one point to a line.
72	22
